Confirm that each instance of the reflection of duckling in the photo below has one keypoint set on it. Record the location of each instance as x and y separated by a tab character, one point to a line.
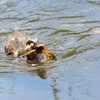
17	44
41	72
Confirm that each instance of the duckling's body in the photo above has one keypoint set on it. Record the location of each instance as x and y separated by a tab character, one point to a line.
37	55
16	44
22	45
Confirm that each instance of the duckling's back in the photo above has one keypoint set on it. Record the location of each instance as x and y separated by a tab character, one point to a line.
16	44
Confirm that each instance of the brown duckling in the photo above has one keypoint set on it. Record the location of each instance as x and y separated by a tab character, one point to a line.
38	54
38	50
22	45
17	44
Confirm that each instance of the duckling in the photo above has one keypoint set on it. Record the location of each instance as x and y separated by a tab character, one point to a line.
34	51
21	45
17	44
38	54
35	54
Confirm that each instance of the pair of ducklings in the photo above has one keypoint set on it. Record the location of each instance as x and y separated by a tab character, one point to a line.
21	45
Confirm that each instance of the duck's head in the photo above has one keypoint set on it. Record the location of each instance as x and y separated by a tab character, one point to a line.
31	44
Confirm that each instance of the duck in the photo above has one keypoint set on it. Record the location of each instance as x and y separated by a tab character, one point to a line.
34	52
21	45
38	54
17	43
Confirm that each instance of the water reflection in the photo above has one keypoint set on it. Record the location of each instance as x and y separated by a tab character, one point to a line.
71	92
55	90
41	72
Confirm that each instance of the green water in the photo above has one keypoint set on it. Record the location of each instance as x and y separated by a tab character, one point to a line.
71	30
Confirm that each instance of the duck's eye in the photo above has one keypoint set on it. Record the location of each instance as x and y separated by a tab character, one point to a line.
29	42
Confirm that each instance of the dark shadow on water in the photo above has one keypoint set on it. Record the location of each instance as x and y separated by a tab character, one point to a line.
41	72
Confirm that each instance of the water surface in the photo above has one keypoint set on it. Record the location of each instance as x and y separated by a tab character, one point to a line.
71	30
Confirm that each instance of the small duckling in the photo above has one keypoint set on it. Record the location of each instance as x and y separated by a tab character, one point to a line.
17	44
35	54
21	45
39	54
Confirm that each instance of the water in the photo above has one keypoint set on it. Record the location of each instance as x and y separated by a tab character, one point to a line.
71	30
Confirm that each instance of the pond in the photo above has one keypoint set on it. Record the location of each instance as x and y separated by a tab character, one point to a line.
68	28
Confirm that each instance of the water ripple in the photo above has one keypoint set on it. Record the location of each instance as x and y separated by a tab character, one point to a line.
68	28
